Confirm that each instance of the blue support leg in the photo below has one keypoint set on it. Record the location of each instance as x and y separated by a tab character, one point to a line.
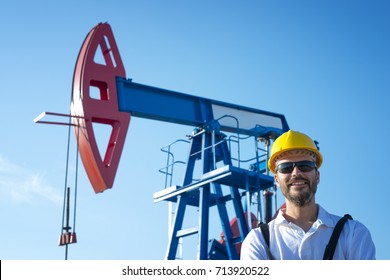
204	194
225	223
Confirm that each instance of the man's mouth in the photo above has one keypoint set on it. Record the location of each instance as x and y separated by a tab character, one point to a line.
298	183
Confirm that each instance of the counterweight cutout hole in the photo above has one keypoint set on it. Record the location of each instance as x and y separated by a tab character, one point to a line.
98	90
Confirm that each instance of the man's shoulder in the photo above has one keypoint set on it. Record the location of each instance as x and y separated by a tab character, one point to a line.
351	225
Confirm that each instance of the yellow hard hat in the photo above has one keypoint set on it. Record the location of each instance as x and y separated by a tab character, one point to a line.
293	140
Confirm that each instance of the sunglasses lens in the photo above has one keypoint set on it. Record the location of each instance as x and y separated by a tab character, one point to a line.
303	166
306	166
285	168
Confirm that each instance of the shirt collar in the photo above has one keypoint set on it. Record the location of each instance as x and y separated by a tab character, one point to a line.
325	218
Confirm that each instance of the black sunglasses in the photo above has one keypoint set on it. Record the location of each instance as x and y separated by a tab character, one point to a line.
303	166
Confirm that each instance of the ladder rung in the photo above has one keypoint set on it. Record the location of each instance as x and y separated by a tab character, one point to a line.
187	232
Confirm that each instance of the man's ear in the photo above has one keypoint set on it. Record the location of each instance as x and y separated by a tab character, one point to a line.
276	179
318	177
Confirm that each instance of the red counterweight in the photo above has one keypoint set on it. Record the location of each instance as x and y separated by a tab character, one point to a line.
102	110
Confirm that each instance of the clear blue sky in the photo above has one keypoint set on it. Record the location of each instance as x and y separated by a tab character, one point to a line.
323	64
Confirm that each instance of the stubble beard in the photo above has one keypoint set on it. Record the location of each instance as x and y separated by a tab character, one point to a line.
303	197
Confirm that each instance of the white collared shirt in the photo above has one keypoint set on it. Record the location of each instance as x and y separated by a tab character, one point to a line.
289	242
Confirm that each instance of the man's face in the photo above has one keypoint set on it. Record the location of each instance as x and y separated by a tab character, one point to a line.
298	187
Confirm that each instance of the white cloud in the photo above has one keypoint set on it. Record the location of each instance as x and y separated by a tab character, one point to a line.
24	185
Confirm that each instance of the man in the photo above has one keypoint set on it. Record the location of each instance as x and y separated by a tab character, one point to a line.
302	230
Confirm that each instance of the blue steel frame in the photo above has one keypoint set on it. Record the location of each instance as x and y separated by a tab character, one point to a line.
210	147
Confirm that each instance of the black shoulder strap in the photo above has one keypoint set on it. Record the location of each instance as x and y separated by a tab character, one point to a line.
331	247
265	231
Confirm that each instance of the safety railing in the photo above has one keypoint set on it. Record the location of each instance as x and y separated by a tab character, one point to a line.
255	160
168	169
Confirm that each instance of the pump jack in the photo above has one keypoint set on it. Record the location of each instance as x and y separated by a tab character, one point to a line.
120	98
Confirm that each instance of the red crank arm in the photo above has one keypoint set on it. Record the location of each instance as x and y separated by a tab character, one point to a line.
104	110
